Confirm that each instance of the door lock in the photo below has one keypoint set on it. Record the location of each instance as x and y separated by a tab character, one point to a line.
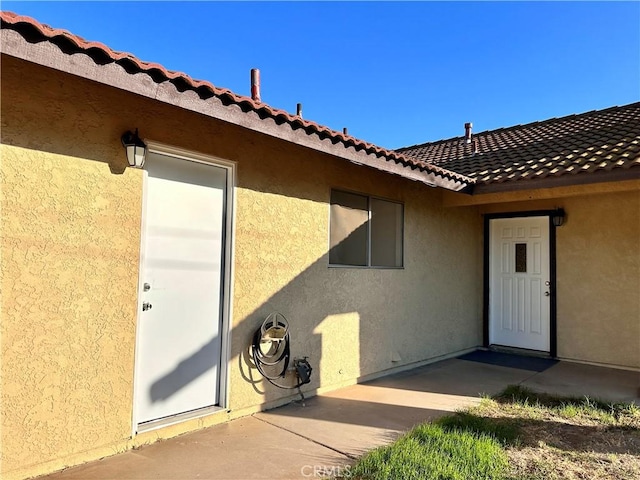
146	306
146	287
546	294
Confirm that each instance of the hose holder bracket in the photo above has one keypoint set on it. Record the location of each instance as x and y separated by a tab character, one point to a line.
270	351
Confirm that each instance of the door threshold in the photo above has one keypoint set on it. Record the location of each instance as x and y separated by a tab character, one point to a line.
179	418
519	351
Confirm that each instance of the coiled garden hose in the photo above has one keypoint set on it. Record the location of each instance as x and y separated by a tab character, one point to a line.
273	363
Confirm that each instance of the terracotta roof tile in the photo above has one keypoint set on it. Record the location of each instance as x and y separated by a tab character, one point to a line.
601	140
34	32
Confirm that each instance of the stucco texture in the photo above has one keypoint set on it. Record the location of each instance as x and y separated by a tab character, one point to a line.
598	270
350	322
598	266
71	238
71	217
70	235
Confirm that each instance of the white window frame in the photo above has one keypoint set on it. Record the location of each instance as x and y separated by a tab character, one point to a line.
369	198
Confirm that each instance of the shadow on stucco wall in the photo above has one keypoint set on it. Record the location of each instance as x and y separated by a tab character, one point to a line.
353	322
350	322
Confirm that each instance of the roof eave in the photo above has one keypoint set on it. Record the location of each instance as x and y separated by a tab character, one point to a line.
568	179
47	54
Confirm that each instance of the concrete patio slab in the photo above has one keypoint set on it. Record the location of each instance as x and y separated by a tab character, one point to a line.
358	418
575	379
246	448
457	378
319	439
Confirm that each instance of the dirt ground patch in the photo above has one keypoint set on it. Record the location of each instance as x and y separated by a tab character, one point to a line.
568	439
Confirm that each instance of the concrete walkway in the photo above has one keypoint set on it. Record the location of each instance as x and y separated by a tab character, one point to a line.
322	438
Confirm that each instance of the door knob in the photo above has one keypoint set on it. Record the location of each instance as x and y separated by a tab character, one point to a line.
146	306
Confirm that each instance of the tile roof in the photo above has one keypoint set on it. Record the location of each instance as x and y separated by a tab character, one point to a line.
35	32
589	143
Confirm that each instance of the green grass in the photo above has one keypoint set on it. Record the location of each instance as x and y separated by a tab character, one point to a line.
607	413
511	436
457	447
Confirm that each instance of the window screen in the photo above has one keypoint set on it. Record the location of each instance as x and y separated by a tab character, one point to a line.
365	231
349	223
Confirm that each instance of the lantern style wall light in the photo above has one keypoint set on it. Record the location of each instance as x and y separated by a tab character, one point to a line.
557	217
135	147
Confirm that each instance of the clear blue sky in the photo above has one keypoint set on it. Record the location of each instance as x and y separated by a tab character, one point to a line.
395	74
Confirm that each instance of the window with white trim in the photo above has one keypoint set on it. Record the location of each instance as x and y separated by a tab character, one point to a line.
365	231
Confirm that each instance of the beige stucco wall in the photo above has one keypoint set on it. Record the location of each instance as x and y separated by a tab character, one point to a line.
350	322
69	249
599	280
598	272
70	246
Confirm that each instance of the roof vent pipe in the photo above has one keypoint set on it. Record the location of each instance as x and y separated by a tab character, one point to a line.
299	110
475	147
467	132
255	84
345	131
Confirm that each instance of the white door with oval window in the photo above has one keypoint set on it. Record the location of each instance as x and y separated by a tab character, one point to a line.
519	283
179	362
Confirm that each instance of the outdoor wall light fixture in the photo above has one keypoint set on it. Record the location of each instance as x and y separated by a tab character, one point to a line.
558	217
136	149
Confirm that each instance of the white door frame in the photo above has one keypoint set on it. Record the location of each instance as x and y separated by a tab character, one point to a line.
552	273
227	282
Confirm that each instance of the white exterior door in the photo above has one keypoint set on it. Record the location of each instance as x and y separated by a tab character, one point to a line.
519	283
179	361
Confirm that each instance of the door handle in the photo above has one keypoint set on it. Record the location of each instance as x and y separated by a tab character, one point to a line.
146	306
